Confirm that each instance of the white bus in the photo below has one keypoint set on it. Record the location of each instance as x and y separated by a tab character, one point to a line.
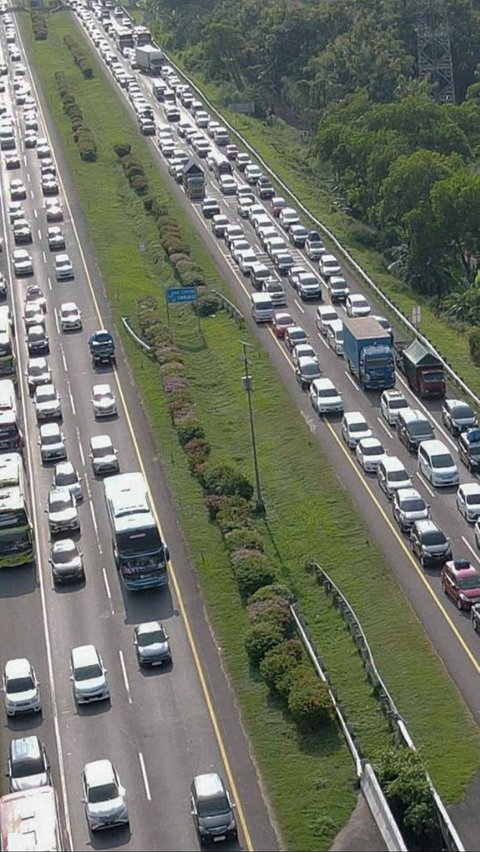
29	821
7	356
140	554
11	437
122	35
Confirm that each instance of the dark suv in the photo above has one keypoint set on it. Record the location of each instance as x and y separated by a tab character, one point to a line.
430	544
211	809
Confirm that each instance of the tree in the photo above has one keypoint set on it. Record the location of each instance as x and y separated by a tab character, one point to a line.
456	207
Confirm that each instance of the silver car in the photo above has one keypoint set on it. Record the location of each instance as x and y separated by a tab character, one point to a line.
151	644
62	511
38	372
88	675
391	402
52	442
409	506
20	687
103	795
66	561
103	401
103	455
65	476
47	403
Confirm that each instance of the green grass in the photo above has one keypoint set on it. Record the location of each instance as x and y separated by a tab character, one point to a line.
309	515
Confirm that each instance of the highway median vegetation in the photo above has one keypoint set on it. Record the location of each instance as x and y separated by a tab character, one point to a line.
306	768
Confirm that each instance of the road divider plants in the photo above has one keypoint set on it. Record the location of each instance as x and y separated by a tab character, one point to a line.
79	57
82	135
39	26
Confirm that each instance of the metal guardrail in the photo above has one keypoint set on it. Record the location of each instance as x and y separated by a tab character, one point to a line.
333	239
229	306
449	832
135	337
368	781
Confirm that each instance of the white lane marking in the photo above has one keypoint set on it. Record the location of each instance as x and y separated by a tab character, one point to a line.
73	408
467	544
56	322
32	196
107	587
144	773
299	306
382	424
64	360
25	159
424	483
352	380
78	437
28	177
35	213
321	337
44	257
39	234
125	678
49	280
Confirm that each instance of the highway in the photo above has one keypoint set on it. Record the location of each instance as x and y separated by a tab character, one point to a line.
161	727
449	630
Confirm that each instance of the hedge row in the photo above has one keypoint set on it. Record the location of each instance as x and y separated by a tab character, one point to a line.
79	57
269	641
39	26
177	251
82	135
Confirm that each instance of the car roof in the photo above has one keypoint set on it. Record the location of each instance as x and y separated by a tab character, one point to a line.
104	388
462	567
354	417
148	626
409	414
68	306
393	463
17	668
433	445
393	394
408	494
307	359
64	467
64	545
357	297
99	772
49	429
25	747
97	441
370	442
427	525
324	384
323	310
84	655
470	487
208	785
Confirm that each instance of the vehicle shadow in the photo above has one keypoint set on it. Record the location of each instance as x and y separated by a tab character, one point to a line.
148	605
110	838
153	671
93	708
18	581
24	723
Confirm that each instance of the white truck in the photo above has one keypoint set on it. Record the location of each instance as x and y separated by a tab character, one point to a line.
149	59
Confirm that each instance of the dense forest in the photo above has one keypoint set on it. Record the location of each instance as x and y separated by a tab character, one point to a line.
405	164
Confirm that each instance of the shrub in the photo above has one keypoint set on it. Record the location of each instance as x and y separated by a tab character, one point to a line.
235	514
260	639
122	149
252	573
207	306
191	429
197	447
474	343
224	479
279	663
276	611
174	383
166	353
139	184
402	775
309	700
215	503
173	368
248	539
276	591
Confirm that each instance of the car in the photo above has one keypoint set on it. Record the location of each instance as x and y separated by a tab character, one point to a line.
430	544
47	167
38	372
22	263
65	476
104	796
409	506
210	207
18	190
43	149
31	125
88	675
53	210
469	449
413	427
303	350
62	511
294	335
325	398
37	338
247	259
281	321
458	416
273	287
475	617
22	232
337	289
288	217
15	211
308	286
252	173
314	247
52	443
212	809
392	475
12	161
28	765
385	323
391	402
357	305
264	188
306	370
369	452
49	185
219	225
231	152
335	336
245	202
259	210
468	501
239	246
227	185
103	455
282	261
233	232
63	267
324	316
30	138
3	286
354	427
151	644
265	234
103	401
33	315
66	561
56	238
20	688
437	465
244	190
242	161
329	265
70	317
47	403
461	582
297	235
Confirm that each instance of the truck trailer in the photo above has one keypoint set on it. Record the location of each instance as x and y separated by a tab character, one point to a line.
367	348
423	370
149	59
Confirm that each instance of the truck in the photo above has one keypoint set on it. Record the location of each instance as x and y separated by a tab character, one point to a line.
149	59
423	370
193	180
102	347
367	349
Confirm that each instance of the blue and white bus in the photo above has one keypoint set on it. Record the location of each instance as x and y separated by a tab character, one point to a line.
140	554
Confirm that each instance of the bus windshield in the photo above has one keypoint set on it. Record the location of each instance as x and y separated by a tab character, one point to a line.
131	544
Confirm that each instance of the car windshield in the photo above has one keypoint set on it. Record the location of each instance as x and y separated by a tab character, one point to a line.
329	315
102	793
444	460
462	412
59	503
310	370
88	672
472	581
65	478
100	452
46	396
474	449
62	557
372	450
398	475
396	403
139	543
20	684
22	768
358	427
412	505
51	439
36	370
328	392
420	427
433	377
214	806
433	537
146	639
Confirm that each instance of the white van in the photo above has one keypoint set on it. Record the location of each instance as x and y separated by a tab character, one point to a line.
437	465
262	307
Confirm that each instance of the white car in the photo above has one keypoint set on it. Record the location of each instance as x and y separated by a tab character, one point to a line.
104	796
369	452
247	259
88	675
392	475
66	476
391	402
252	174
20	688
70	317
335	336
325	316
237	246
47	403
357	305
287	217
103	401
325	398
18	191
227	185
329	265
63	267
33	315
468	501
354	427
15	211
53	210
62	511
52	443
303	350
22	263
409	506
103	455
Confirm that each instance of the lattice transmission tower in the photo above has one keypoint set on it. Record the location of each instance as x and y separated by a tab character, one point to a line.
434	53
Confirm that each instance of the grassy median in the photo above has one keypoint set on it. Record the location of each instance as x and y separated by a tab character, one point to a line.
310	781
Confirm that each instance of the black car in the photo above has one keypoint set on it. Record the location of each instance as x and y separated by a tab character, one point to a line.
430	544
210	207
469	449
151	644
212	809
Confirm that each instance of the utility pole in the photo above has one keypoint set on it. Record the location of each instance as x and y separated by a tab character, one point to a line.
434	54
247	386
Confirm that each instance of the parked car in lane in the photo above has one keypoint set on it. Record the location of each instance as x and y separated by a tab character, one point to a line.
469	449
306	370
66	476
22	232
56	238
63	267
103	455
210	207
34	293
324	316
28	764
62	511
391	402
47	403
314	246
357	305
337	289
103	401
354	427
22	263
52	442
288	217
329	265
70	317
20	688
392	475
273	287
38	373
294	335
297	235
468	501
281	321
